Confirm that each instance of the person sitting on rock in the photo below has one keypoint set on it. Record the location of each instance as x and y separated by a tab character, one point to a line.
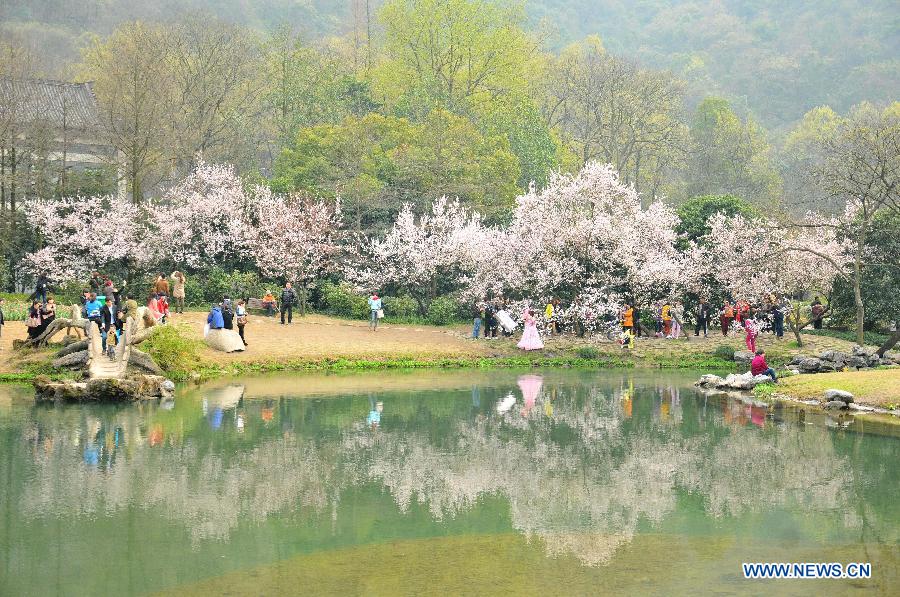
759	366
214	319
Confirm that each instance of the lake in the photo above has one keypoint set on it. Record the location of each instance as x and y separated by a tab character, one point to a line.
484	482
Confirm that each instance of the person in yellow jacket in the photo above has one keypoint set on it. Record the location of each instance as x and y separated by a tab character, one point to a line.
666	313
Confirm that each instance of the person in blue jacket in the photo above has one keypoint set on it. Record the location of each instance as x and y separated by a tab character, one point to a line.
214	319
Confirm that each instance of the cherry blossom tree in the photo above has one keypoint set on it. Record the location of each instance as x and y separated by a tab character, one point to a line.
295	237
424	255
204	220
82	234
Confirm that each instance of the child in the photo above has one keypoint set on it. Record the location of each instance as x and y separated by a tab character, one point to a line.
241	315
752	331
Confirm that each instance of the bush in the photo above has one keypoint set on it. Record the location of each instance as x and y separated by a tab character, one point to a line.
587	352
403	308
173	349
871	338
442	311
725	352
340	300
204	289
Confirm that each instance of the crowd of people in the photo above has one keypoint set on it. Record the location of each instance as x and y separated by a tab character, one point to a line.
668	319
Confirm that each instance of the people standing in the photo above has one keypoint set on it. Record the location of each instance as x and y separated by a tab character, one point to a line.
548	315
726	316
818	312
666	313
531	339
702	318
179	282
161	286
778	311
34	320
751	330
490	320
477	315
288	300
241	318
41	287
636	318
677	319
96	282
657	318
626	316
48	314
375	309
2	318
93	310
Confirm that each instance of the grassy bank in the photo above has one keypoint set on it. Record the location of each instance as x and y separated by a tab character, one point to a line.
875	387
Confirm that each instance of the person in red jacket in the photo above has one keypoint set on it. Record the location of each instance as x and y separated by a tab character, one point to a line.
759	366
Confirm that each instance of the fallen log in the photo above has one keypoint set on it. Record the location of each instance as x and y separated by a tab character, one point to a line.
75	359
73	347
144	361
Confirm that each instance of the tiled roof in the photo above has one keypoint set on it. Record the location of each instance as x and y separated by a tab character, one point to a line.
56	102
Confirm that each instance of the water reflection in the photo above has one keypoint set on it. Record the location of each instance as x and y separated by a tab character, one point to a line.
583	464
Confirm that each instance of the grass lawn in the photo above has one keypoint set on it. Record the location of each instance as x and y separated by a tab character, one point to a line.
877	387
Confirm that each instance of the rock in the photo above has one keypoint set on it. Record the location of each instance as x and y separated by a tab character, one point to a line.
709	380
795	371
73	347
827	355
138	387
66	390
69	339
758	379
168	385
224	340
743	357
810	365
842	395
826	367
856	362
144	362
835	405
873	360
798	358
743	381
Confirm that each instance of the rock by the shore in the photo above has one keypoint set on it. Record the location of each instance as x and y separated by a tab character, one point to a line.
842	395
734	381
743	357
136	387
224	340
835	405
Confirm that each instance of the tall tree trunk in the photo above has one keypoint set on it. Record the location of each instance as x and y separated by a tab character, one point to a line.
857	289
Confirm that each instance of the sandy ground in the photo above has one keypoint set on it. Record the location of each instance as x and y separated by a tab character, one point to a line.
317	337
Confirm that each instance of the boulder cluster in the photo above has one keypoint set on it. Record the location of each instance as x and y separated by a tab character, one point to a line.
734	381
835	360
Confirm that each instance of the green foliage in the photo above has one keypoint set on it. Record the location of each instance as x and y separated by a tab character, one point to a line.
587	352
203	289
725	352
694	213
175	350
339	299
764	392
443	311
730	155
401	308
377	162
15	306
871	338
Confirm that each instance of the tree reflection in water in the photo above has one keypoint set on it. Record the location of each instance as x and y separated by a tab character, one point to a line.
582	465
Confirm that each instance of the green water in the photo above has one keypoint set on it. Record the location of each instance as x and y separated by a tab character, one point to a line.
440	483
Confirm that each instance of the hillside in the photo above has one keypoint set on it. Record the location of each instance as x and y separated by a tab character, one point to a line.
774	58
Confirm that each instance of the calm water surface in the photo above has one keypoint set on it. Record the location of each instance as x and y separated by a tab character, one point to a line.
439	482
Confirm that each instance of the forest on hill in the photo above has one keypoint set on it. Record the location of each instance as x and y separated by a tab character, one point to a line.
774	58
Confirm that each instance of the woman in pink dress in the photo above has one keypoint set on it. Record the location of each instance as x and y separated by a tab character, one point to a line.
531	340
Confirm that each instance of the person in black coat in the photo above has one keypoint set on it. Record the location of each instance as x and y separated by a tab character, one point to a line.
288	300
702	316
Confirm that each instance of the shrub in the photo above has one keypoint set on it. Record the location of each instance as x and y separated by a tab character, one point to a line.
587	352
174	350
340	300
725	352
404	308
442	311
